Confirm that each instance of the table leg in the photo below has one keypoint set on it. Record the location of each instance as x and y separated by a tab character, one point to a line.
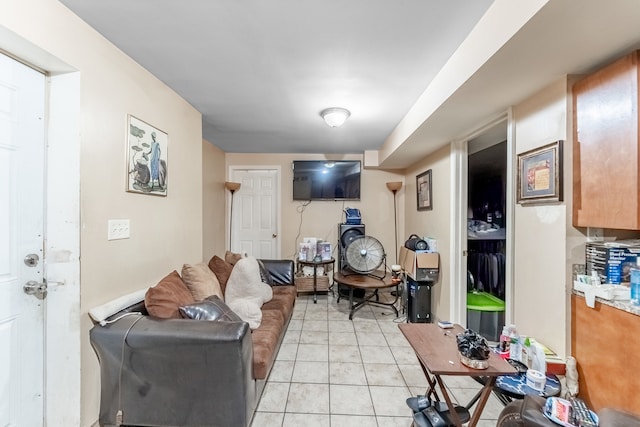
453	415
315	291
481	398
484	396
351	309
431	391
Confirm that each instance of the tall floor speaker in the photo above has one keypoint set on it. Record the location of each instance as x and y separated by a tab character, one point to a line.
419	301
346	234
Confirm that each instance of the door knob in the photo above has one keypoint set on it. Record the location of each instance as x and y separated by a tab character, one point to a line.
34	288
31	260
274	235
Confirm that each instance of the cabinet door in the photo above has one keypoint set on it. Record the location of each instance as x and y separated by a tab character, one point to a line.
605	147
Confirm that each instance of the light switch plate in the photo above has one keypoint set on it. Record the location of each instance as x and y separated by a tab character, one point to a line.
118	229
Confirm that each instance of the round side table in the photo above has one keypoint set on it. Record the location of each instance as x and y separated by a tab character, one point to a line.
315	265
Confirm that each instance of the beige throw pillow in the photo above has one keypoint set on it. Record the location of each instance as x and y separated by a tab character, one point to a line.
201	281
233	257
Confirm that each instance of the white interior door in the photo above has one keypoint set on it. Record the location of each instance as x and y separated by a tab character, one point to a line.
255	213
22	95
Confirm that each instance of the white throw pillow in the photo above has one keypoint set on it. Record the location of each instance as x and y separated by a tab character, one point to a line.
248	311
245	283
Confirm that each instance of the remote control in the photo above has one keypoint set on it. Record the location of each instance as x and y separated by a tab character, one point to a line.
580	414
444	324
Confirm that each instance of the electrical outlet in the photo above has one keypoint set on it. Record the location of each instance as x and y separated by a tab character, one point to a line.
118	229
595	234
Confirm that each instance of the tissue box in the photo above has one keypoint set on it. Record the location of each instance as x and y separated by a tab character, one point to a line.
612	260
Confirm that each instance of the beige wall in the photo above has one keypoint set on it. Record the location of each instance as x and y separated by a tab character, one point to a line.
213	201
165	231
435	223
542	255
321	218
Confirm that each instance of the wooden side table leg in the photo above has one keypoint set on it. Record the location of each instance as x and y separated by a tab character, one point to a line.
351	303
315	289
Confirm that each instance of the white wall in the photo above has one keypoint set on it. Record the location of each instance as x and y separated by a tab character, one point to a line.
213	201
435	223
541	303
165	231
321	218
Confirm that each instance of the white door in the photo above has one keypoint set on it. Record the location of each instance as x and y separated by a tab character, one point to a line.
22	95
255	213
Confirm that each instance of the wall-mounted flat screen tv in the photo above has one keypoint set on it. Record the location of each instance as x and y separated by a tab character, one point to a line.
326	180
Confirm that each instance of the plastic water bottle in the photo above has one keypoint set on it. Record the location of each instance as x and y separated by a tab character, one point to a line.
635	286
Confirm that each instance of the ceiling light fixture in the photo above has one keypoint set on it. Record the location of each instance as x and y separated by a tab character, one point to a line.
335	116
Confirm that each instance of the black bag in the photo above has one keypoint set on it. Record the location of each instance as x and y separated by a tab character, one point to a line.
472	345
415	243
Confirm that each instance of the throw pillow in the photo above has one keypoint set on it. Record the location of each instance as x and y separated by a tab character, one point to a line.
201	281
245	283
222	270
212	308
248	311
265	276
164	299
232	257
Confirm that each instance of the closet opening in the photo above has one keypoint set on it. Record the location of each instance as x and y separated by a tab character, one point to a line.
486	232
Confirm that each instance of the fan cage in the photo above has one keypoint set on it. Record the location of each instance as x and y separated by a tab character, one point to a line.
364	255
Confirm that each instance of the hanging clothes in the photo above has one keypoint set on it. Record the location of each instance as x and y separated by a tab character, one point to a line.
486	264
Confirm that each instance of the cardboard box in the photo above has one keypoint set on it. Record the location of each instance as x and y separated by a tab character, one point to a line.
421	265
612	260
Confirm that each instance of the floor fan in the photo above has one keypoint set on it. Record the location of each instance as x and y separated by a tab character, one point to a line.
365	255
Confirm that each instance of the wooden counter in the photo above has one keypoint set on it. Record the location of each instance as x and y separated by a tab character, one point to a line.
606	344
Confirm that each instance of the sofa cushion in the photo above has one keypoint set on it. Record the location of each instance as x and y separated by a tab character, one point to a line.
212	308
265	340
283	300
164	299
201	281
222	270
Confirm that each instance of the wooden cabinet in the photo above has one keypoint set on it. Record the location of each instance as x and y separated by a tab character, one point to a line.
605	342
605	147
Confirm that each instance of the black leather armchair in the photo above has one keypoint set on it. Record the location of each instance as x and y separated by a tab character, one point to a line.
178	372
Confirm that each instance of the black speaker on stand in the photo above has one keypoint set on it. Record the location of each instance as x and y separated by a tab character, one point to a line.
346	234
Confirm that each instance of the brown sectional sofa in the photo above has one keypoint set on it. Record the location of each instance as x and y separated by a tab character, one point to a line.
183	372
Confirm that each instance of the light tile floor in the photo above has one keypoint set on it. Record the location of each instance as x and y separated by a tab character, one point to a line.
334	372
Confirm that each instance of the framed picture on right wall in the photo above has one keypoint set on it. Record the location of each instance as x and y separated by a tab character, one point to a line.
540	174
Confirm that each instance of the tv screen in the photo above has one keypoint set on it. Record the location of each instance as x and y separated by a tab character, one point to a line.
326	180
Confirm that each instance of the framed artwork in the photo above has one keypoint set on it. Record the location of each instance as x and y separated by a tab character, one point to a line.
423	190
540	175
146	158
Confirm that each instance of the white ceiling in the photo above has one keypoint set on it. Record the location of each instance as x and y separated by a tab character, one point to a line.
260	72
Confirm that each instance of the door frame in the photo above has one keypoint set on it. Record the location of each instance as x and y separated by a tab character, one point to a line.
278	171
64	328
458	252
